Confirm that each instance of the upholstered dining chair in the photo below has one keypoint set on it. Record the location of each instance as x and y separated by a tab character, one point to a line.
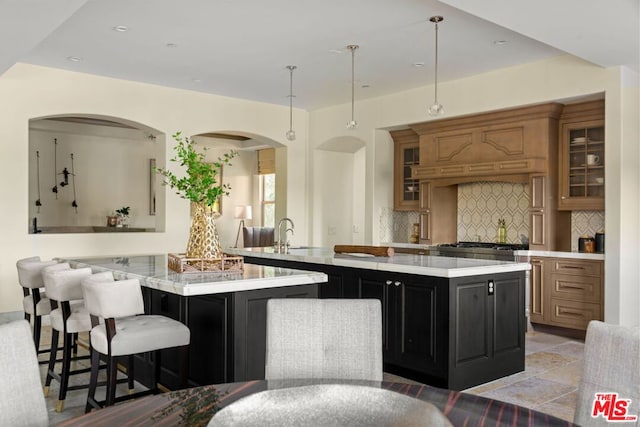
21	398
611	365
125	331
35	302
68	317
257	237
324	338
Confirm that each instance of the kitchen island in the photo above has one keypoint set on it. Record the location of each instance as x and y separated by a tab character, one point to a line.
225	312
448	322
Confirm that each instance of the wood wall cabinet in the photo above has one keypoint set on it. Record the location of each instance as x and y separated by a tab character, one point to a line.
581	157
567	292
406	190
438	213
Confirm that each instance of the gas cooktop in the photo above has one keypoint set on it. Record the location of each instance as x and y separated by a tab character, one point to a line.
487	245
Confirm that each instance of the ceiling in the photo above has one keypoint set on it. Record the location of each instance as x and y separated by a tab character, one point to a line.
240	48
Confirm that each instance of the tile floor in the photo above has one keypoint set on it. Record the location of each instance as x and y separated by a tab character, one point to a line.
549	382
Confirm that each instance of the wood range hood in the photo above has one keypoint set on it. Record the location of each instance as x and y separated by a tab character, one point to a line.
507	145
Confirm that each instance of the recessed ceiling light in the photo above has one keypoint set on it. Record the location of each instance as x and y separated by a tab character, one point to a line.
364	85
500	42
335	51
121	28
74	58
171	45
196	80
418	64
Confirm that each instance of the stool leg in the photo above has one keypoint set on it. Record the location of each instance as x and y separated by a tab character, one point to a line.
75	344
112	375
184	366
93	380
66	367
156	371
52	360
130	375
37	328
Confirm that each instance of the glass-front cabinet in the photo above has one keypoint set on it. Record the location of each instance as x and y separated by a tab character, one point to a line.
406	194
582	158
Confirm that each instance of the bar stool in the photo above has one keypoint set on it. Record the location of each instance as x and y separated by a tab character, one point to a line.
127	331
35	301
68	315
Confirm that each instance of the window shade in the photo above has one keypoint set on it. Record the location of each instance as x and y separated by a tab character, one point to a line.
266	161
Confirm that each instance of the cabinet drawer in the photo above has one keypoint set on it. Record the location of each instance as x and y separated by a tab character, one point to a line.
578	288
574	314
577	267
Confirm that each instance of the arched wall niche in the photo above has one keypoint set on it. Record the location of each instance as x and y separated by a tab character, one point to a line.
111	168
243	176
339	197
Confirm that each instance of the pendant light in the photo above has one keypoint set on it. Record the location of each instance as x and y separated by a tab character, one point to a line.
436	109
291	134
352	124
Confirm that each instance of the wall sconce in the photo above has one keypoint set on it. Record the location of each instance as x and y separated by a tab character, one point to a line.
242	213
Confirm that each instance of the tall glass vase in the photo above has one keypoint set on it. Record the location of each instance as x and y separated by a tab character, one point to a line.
203	236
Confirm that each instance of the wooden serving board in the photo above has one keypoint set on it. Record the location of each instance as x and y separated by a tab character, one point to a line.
361	249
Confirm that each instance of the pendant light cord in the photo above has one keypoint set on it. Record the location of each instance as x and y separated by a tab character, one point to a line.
353	96
436	62
291	68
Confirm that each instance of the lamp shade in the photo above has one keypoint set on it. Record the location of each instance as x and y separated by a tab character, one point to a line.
243	212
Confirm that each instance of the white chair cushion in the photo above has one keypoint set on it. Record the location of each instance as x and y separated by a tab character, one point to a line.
314	338
21	398
43	307
109	299
78	321
139	334
64	285
30	271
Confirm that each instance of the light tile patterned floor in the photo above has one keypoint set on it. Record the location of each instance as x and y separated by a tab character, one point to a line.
549	382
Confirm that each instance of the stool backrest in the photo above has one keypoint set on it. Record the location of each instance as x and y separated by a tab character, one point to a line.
65	285
30	271
112	299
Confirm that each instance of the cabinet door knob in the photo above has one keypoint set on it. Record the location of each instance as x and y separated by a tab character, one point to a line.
562	197
397	283
389	282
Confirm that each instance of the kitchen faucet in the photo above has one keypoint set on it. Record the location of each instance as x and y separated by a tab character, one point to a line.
281	245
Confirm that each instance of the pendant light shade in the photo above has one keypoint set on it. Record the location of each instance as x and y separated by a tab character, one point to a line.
291	134
352	124
436	109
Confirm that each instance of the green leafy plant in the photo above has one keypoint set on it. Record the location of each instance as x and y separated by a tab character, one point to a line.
200	183
123	211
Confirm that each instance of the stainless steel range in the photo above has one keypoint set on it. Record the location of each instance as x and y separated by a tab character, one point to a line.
479	250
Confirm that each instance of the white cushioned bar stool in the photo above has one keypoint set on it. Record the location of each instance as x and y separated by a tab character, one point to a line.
126	331
35	301
69	317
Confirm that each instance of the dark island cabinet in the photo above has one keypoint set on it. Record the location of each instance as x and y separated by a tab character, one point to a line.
227	334
447	332
487	328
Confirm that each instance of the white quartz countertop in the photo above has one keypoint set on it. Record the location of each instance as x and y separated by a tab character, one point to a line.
153	272
400	263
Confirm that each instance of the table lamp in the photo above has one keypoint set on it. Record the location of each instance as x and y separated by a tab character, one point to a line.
242	213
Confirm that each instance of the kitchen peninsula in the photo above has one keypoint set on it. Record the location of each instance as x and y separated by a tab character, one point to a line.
449	322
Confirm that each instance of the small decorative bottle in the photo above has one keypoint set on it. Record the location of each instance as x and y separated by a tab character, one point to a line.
502	231
415	234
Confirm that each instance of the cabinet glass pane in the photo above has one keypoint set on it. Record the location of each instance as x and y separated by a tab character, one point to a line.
586	162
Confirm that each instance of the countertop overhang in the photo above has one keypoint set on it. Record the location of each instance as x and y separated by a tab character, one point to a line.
436	266
153	272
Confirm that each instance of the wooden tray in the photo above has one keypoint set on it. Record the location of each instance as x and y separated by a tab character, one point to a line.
182	264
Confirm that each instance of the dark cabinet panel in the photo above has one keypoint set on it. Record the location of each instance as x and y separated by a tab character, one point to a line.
250	325
472	325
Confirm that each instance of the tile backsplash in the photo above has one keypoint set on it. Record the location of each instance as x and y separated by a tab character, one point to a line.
480	205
